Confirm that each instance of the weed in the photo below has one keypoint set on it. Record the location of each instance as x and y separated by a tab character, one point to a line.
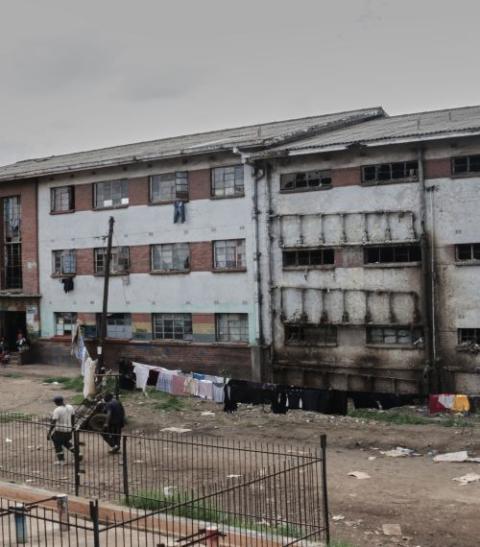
403	418
76	399
164	401
14	417
13	375
75	384
340	543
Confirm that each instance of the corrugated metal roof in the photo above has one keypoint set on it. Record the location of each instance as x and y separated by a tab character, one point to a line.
242	137
407	127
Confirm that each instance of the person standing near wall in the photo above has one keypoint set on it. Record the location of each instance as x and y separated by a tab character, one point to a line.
114	422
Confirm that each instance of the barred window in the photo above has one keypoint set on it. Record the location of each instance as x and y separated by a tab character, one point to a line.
309	180
169	187
64	262
310	335
392	253
119	325
112	193
62	199
390	172
301	258
119	262
228	181
172	326
468	336
466	164
171	257
229	254
12	246
64	323
468	252
395	336
232	327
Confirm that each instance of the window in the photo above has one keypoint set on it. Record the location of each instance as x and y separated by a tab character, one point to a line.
466	164
310	180
390	172
310	335
119	263
64	262
227	181
395	336
12	243
64	323
468	336
111	194
172	326
229	254
468	252
61	199
302	258
119	325
392	253
171	257
169	187
232	327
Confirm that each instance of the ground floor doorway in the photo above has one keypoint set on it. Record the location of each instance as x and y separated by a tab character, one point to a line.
11	322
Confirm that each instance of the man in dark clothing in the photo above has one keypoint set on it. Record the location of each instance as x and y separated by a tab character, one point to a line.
114	422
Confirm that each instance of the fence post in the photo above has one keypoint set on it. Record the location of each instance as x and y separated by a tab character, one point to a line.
21	531
62	509
94	517
76	459
323	446
125	469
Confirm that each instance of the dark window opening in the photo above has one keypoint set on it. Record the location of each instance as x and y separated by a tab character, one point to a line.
468	336
65	323
119	260
308	258
468	251
390	254
466	164
62	199
308	180
169	187
170	257
310	335
390	172
12	246
395	336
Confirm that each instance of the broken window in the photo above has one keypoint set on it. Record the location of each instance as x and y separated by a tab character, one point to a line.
171	257
467	252
302	258
119	325
229	254
61	199
231	327
119	262
308	180
310	335
64	262
388	254
64	323
172	326
12	246
169	187
466	164
468	336
395	336
227	181
113	193
390	172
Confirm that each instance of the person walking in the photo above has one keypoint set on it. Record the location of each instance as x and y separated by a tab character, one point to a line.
114	422
60	432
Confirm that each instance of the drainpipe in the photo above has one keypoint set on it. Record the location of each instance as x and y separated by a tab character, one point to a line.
272	313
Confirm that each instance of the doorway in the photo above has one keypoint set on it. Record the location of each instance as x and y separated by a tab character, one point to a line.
11	323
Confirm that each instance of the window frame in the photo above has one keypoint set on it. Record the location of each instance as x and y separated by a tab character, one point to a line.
238	244
227	337
378	167
237	193
472	259
178	179
468	172
416	333
395	250
71	199
124	187
62	273
162	247
114	260
475	339
187	333
110	316
73	320
328	338
310	250
322	174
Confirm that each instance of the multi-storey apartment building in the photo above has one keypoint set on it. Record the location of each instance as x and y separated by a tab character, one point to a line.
338	251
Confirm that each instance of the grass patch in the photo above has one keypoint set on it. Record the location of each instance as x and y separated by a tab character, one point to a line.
8	417
340	543
164	401
75	384
13	375
76	399
404	418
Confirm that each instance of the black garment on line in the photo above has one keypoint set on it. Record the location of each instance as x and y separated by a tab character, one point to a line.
67	284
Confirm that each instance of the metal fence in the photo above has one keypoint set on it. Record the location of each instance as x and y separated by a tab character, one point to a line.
258	491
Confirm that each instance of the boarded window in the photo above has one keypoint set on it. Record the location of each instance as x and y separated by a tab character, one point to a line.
61	199
468	336
119	262
308	180
395	336
169	187
387	254
466	164
113	193
390	172
231	327
64	323
467	251
172	326
171	257
310	335
228	181
119	325
302	258
229	254
64	262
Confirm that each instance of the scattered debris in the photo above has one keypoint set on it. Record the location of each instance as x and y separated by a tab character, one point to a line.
233	476
176	429
371	458
452	457
398	452
359	475
168	491
465	479
207	413
338	517
7	440
392	529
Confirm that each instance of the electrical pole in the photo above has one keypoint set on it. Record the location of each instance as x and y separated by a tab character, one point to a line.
103	322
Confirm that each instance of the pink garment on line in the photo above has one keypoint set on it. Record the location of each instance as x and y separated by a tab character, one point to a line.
178	384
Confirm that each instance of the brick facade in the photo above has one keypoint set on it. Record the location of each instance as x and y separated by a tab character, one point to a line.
138	191
438	168
83	197
85	261
140	259
349	176
201	256
199	184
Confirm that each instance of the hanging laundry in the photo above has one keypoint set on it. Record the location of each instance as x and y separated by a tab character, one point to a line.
142	372
440	402
218	392
89	378
178	384
461	404
179	211
67	284
205	389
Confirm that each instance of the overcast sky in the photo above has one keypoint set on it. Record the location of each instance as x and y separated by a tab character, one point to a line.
94	73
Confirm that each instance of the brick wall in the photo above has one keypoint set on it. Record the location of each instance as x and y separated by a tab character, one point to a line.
140	259
199	184
85	262
201	256
203	326
438	168
84	197
138	193
349	176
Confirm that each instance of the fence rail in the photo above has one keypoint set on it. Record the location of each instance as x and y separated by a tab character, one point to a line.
256	489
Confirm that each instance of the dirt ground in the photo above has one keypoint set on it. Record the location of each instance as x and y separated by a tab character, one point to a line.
414	492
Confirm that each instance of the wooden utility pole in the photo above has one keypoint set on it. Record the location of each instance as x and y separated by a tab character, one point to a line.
103	322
